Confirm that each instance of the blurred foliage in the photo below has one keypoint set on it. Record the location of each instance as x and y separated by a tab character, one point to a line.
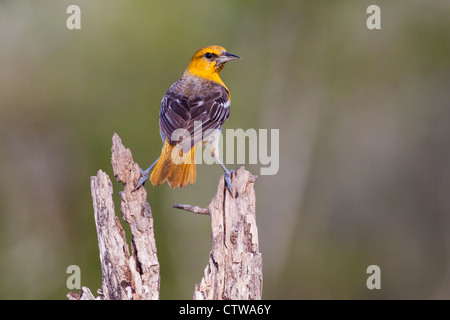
364	139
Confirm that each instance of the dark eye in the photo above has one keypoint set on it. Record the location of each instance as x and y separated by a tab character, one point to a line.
208	55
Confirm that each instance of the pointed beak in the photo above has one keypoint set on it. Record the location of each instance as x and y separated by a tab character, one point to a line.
226	56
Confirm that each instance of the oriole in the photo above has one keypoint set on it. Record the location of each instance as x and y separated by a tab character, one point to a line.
199	99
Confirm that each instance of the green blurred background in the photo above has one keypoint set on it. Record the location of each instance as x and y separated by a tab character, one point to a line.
364	119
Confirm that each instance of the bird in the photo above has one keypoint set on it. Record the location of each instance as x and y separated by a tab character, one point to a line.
192	113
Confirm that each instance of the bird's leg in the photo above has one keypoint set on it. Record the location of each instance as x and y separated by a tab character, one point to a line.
145	174
226	172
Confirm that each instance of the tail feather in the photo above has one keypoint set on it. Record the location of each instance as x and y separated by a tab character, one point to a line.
177	175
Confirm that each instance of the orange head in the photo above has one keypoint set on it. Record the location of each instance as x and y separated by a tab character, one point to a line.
207	62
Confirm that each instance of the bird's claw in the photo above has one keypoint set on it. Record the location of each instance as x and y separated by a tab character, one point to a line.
145	175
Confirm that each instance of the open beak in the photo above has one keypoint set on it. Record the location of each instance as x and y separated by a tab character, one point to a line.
226	56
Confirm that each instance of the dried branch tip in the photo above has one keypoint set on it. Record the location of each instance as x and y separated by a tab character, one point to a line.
194	209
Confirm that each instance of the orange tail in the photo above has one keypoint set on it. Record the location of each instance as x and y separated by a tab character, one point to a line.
177	175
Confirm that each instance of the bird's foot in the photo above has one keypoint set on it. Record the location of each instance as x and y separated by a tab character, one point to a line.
227	175
144	177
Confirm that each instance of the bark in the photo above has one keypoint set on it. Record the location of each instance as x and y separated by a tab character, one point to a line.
235	264
125	275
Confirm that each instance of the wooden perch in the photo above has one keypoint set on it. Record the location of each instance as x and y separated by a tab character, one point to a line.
234	271
235	263
125	276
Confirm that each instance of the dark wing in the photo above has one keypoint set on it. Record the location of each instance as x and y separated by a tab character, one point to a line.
174	114
199	116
